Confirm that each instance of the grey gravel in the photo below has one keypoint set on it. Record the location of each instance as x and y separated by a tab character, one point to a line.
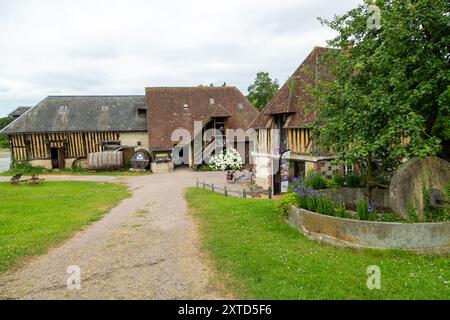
145	248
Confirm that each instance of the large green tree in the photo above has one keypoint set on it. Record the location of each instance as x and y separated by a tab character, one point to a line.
262	90
391	83
3	137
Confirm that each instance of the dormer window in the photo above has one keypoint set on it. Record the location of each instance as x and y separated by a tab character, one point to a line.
211	101
241	106
185	106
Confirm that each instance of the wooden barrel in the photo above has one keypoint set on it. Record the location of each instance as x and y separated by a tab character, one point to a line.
106	160
140	159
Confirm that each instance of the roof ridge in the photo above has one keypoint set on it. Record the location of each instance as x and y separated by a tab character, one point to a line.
100	95
192	87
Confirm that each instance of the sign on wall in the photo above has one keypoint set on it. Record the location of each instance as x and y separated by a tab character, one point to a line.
284	171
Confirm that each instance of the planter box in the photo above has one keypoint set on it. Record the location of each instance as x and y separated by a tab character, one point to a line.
162	167
370	234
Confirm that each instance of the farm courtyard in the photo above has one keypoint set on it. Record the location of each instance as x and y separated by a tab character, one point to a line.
172	241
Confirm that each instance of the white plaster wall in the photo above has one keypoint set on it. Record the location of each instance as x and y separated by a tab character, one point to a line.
132	138
263	170
47	164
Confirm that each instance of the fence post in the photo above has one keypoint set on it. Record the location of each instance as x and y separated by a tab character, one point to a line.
244	194
203	183
225	191
270	192
197	182
212	187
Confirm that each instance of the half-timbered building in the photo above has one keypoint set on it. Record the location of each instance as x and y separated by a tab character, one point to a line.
284	128
61	129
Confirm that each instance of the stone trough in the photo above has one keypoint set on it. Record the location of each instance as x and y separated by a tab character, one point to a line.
369	234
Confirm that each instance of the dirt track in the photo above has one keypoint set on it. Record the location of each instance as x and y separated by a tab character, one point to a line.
145	248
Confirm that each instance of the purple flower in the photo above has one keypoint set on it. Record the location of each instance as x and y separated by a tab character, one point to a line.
303	194
318	194
314	192
295	189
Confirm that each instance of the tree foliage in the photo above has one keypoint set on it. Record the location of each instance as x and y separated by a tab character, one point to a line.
262	90
391	85
3	137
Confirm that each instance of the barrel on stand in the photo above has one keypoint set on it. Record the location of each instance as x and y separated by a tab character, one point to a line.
140	160
106	160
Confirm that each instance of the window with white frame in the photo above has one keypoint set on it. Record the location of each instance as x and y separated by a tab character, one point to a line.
348	169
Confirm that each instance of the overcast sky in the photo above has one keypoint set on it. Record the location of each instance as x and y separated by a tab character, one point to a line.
120	47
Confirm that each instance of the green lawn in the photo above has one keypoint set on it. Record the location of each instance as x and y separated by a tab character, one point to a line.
258	256
34	217
28	171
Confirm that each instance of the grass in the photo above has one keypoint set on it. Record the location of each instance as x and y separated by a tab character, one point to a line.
77	172
35	217
256	255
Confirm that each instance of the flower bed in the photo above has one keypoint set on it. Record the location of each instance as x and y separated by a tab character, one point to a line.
324	202
371	234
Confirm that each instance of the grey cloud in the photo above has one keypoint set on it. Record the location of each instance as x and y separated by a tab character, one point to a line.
121	47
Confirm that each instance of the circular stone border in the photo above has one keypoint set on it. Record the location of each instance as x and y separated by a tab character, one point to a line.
370	234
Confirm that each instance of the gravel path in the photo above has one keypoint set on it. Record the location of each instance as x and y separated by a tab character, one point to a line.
4	161
145	248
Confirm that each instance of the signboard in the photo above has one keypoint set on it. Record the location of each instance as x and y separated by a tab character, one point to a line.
284	172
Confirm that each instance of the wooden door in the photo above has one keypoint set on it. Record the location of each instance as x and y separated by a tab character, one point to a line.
61	159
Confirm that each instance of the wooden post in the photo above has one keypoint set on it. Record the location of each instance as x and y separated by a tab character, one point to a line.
203	183
225	191
244	194
197	182
212	187
270	192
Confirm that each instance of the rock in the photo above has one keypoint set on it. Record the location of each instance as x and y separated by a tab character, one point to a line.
407	185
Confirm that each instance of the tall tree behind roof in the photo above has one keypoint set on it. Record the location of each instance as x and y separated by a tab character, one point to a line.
262	90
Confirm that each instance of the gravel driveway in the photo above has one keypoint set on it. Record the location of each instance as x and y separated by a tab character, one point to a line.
4	161
145	248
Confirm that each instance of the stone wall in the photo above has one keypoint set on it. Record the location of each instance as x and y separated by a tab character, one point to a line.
356	233
350	196
162	167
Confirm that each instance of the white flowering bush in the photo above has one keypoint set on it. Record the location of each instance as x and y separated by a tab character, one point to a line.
228	160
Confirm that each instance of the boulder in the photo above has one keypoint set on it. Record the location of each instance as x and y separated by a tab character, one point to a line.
414	177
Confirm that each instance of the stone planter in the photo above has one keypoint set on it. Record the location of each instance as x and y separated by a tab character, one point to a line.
162	167
369	234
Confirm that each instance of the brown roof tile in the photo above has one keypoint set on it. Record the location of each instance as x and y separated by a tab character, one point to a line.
293	97
167	111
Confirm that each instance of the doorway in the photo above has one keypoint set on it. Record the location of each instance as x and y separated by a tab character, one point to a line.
58	158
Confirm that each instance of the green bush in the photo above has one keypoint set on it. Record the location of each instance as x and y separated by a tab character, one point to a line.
341	212
348	180
26	168
352	181
285	202
339	180
366	210
325	206
315	181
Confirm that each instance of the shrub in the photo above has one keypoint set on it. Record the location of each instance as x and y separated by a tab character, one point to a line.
341	212
286	201
325	205
315	181
228	160
352	181
366	210
339	180
26	168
